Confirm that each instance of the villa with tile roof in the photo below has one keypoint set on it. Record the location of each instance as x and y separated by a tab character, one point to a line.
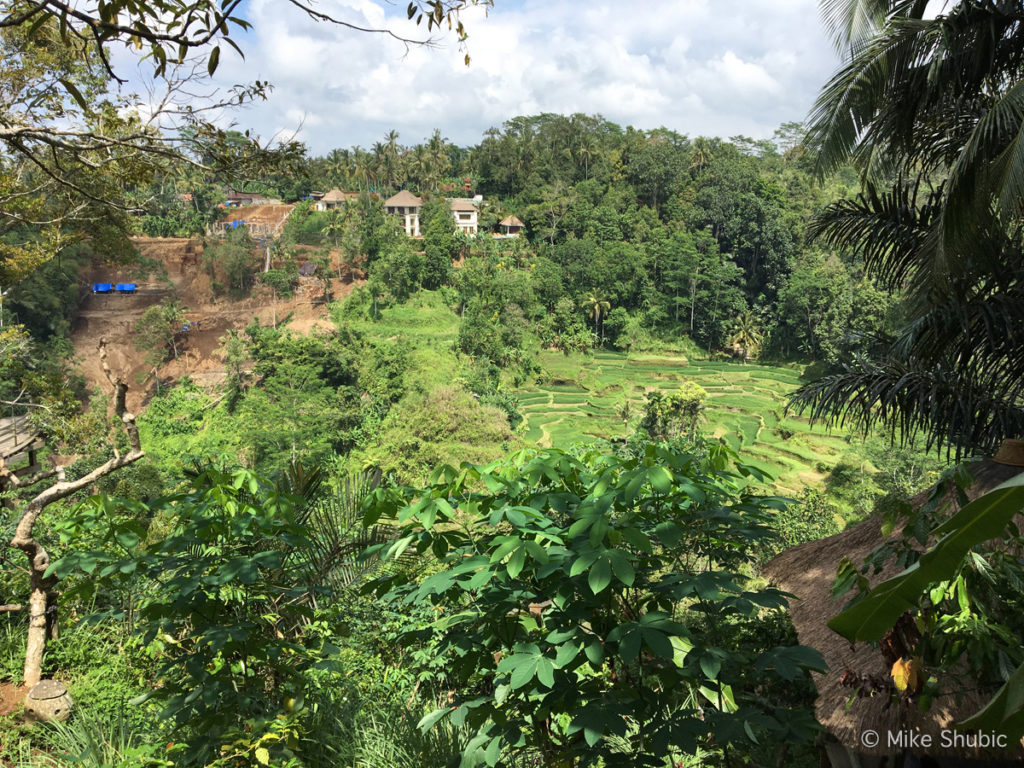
406	206
465	213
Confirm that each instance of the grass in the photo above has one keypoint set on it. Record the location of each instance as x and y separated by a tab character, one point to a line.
580	397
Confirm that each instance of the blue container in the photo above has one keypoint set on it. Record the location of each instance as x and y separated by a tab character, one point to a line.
126	287
102	287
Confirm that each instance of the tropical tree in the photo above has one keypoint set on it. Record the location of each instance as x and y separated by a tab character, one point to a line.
157	330
932	111
597	306
235	585
746	334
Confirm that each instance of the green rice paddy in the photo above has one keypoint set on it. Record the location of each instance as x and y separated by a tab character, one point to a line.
745	409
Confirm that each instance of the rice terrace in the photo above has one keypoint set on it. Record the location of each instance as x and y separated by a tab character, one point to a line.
746	408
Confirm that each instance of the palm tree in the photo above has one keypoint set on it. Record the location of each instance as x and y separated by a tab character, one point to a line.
702	154
597	307
440	159
932	112
337	163
337	219
418	168
746	334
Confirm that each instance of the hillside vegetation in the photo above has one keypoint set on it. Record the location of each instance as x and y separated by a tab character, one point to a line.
635	347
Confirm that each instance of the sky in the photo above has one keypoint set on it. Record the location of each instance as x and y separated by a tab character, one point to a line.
699	67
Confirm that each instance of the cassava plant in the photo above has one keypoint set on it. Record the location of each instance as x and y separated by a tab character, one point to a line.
596	609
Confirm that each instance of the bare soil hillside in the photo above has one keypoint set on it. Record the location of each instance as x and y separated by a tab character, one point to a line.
113	317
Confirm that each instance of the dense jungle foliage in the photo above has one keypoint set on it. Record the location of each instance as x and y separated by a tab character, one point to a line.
423	367
509	502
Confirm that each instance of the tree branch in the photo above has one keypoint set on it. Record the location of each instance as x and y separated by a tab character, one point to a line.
23	538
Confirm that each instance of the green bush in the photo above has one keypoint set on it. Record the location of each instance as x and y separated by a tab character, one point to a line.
596	609
281	280
228	612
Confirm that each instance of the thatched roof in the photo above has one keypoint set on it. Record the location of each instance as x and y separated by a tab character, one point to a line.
808	572
511	221
337	196
405	199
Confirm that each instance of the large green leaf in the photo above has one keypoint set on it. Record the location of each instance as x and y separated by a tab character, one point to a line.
600	575
1004	714
984	518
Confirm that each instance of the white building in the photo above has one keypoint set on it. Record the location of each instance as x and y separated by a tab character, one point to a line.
465	213
333	199
406	206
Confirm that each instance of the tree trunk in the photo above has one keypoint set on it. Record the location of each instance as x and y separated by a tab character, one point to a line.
42	603
37	620
693	299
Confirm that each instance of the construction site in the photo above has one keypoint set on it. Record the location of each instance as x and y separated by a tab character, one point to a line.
180	276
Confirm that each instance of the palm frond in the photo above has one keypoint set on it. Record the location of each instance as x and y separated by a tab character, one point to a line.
915	88
848	21
870	101
338	539
978	327
303	483
906	399
889	229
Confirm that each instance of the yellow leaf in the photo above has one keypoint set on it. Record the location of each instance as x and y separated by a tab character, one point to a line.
262	756
908	674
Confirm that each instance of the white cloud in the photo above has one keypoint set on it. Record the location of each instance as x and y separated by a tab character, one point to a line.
700	67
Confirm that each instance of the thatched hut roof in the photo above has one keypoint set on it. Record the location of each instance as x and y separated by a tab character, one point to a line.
808	572
511	221
337	196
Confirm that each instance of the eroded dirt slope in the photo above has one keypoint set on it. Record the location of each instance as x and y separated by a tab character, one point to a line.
113	317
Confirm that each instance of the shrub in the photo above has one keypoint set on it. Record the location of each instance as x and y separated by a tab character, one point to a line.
595	610
281	280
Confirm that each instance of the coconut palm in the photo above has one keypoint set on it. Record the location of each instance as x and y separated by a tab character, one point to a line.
932	112
926	98
746	334
597	307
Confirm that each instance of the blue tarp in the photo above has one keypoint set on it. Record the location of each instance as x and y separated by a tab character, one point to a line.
237	224
102	287
126	287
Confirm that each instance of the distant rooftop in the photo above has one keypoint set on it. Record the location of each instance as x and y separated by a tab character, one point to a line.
405	198
461	204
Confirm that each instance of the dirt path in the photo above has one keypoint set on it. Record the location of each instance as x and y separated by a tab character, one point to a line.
544	441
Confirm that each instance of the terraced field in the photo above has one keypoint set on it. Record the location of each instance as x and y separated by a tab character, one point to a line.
746	408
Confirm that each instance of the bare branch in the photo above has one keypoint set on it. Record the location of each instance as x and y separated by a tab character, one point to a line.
12	480
23	538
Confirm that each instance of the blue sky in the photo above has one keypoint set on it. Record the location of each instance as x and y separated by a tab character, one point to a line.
700	67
